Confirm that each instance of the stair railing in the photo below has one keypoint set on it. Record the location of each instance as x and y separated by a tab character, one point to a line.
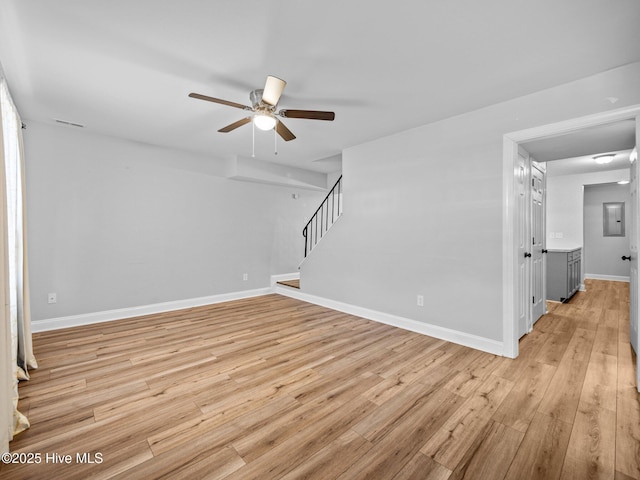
324	217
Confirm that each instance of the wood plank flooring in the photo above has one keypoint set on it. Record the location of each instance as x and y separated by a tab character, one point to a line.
275	388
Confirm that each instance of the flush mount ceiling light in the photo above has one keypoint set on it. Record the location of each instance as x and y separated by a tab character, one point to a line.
604	158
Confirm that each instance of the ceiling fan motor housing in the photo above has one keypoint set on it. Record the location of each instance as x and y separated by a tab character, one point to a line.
256	98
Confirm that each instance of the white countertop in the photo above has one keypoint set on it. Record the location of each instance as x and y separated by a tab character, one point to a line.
563	248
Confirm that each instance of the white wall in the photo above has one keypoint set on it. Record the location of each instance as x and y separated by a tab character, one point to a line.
423	211
602	257
565	208
115	224
565	205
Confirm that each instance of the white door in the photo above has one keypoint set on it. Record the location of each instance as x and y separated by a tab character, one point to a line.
633	246
523	238
538	307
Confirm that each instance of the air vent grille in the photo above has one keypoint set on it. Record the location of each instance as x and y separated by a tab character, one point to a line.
71	124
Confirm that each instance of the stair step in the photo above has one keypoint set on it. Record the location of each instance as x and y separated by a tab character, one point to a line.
290	283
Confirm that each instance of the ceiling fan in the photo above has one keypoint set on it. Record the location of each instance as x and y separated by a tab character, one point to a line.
264	102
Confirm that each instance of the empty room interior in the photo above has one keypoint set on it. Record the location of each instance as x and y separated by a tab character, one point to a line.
286	240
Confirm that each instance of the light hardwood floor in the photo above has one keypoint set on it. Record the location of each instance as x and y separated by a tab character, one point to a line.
274	388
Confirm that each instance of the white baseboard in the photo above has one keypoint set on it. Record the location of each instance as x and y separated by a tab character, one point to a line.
466	339
283	277
122	313
611	278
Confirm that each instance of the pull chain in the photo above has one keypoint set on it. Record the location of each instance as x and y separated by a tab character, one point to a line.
253	140
275	141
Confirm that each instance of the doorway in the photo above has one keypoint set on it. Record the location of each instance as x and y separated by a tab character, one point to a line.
606	232
513	212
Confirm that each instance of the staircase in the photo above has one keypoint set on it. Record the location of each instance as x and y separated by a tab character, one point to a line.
324	217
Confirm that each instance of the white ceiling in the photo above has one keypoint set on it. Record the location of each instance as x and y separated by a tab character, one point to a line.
586	164
573	153
607	138
125	67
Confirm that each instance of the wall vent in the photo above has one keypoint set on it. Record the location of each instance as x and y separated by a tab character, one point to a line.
66	122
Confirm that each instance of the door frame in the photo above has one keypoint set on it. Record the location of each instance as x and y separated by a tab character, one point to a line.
511	211
634	240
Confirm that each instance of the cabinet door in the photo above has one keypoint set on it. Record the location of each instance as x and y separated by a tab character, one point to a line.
572	278
557	276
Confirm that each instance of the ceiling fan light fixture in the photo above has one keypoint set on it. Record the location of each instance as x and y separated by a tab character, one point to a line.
264	121
604	158
263	110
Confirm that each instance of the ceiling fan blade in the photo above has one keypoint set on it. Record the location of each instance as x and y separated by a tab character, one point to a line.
273	90
284	132
235	125
218	100
310	114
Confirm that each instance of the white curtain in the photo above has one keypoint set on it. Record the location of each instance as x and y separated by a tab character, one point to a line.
15	333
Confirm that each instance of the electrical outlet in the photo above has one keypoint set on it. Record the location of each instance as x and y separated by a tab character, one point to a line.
245	276
52	298
421	300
